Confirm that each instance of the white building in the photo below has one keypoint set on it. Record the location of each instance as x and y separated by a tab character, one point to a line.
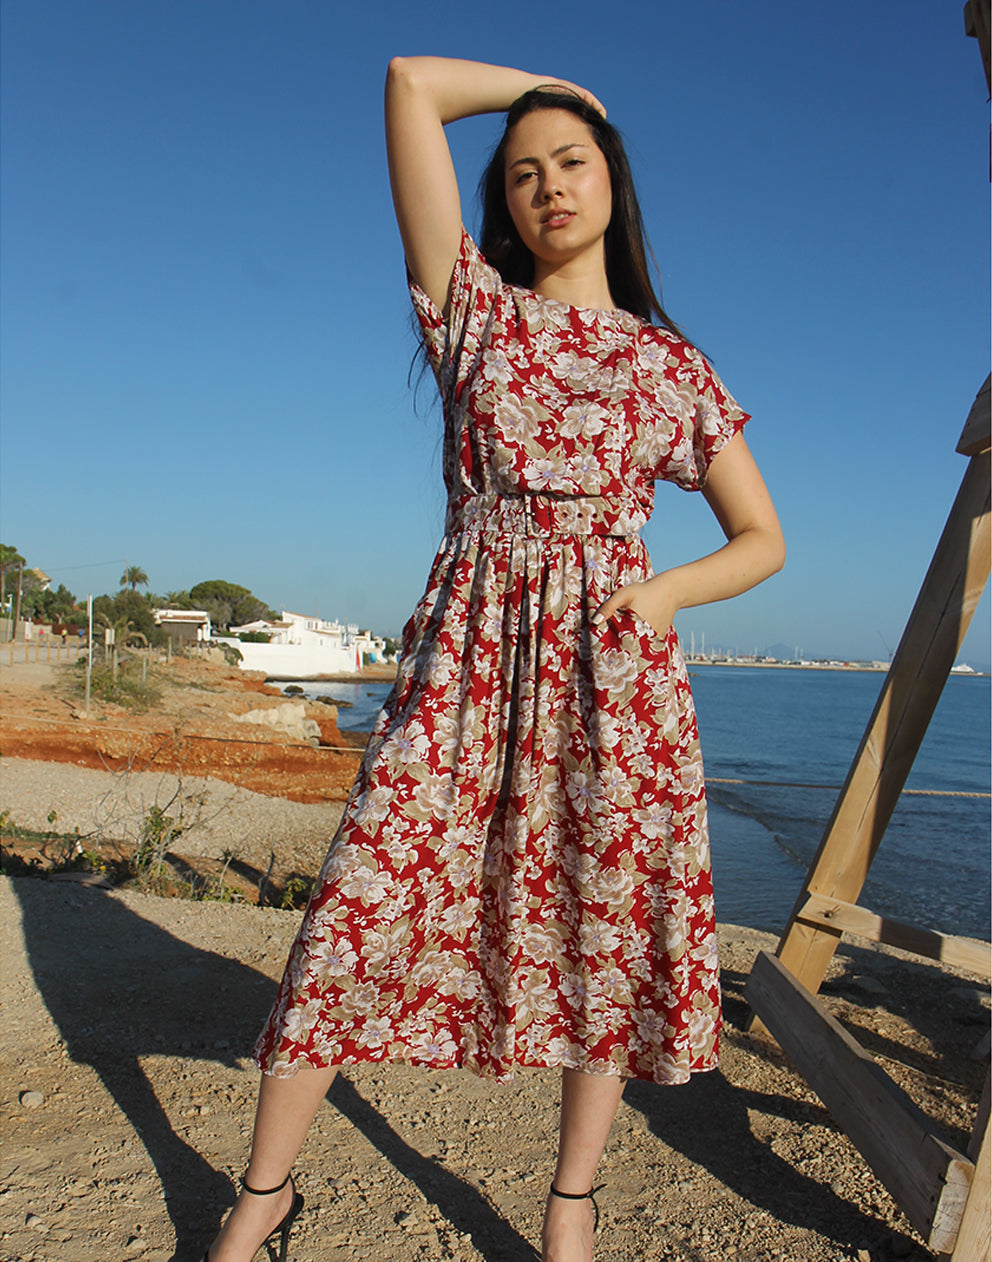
184	626
304	647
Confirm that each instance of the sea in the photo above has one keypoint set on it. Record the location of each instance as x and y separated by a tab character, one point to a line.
781	731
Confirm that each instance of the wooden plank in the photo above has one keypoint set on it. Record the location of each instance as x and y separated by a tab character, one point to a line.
976	24
940	618
977	433
834	914
974	1242
927	1177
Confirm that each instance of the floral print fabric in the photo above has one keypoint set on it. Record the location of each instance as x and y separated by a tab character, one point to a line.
522	873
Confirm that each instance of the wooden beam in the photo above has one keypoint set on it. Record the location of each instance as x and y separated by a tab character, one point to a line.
974	1243
976	23
940	618
835	915
928	1178
976	436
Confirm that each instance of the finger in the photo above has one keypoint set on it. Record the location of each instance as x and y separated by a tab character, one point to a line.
609	606
592	100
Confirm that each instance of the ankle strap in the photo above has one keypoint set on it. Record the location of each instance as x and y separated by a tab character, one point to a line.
582	1196
263	1191
577	1196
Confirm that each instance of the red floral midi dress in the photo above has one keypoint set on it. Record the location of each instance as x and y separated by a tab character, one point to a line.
521	876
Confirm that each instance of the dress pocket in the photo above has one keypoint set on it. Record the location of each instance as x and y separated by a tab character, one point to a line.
650	644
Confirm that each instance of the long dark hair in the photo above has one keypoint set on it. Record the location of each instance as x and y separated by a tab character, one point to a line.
625	245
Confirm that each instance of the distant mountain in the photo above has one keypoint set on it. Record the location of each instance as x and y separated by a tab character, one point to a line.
782	652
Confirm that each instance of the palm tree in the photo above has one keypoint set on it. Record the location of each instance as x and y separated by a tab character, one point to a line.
134	576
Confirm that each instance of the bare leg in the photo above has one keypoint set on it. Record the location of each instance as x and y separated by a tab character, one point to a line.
286	1107
588	1106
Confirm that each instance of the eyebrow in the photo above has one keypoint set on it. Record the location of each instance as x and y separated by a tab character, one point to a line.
574	144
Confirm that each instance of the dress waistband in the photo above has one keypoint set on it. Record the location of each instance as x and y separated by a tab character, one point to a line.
537	515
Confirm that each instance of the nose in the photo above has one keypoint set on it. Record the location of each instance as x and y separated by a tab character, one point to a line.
550	190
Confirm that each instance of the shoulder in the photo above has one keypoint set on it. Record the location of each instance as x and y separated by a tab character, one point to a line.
672	355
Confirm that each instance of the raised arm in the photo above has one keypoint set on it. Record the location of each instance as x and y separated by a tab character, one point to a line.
422	95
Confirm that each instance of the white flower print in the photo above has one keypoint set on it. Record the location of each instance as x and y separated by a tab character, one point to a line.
375	1032
459	917
583	420
460	982
598	937
332	959
360	999
408	744
367	885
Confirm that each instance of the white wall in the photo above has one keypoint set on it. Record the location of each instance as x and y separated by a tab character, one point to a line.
300	661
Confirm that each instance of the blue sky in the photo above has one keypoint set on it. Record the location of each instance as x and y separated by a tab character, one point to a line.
206	340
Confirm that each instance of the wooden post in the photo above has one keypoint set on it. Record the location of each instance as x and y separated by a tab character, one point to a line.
974	1242
944	608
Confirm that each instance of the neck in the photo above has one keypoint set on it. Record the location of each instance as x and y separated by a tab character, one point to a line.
579	282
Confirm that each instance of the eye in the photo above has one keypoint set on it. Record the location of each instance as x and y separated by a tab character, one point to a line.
574	162
524	175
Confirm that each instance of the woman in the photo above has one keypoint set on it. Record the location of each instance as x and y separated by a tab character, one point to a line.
522	873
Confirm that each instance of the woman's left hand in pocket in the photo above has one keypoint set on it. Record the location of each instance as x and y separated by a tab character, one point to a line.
648	600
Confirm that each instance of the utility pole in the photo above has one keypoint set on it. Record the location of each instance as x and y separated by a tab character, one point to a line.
17	607
89	652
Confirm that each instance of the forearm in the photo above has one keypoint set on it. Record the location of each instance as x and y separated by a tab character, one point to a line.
457	89
748	558
742	563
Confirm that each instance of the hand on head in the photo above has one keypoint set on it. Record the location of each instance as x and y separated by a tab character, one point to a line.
563	85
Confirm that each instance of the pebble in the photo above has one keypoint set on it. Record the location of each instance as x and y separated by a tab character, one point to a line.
32	1099
868	985
35	1223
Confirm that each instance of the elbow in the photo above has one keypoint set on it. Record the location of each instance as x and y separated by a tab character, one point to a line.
776	554
396	71
401	73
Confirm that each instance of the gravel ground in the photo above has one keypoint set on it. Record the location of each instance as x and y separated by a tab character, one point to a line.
126	1100
216	816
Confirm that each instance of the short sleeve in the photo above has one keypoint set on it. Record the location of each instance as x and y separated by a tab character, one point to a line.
702	416
718	417
452	344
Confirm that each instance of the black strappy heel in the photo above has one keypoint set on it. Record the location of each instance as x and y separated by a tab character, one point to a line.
582	1196
281	1229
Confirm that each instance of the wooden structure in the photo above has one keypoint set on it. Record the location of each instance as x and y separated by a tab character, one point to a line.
945	1194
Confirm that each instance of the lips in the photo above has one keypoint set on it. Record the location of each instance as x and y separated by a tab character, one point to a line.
557	218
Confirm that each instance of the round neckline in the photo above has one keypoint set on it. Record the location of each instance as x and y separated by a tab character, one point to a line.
611	313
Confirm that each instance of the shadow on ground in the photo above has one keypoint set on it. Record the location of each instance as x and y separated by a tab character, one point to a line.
120	988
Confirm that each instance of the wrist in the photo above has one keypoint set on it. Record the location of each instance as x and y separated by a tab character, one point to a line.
667	591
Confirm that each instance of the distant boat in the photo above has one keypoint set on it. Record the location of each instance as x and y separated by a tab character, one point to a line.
962	669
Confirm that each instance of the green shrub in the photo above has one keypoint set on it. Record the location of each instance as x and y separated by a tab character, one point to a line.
129	689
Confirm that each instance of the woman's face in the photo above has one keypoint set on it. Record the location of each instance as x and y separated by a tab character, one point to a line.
557	186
